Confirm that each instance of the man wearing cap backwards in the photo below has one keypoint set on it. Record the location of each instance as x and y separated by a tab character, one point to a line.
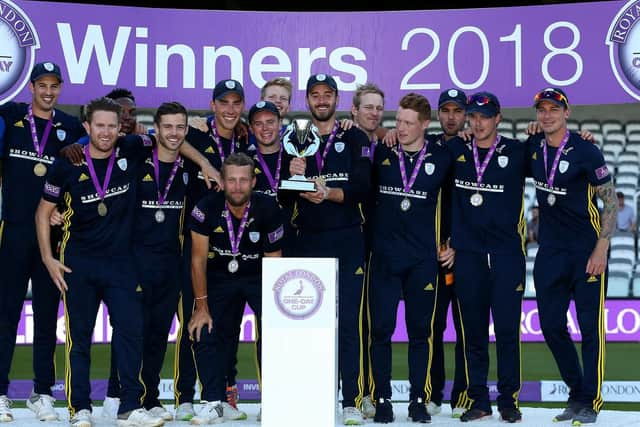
34	135
329	222
408	180
451	114
569	173
231	233
487	234
216	144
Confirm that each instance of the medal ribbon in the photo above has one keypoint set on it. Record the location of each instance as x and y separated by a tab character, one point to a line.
403	169
273	179
216	138
372	149
156	169
476	158
550	175
102	191
34	135
235	241
332	136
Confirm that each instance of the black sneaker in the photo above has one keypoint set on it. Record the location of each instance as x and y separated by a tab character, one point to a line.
585	416
474	414
418	412
566	415
510	415
384	412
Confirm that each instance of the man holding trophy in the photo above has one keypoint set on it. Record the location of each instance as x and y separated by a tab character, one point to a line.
337	168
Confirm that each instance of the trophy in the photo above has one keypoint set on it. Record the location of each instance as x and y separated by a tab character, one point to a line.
300	139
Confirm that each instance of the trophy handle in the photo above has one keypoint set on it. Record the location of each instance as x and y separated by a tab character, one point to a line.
288	146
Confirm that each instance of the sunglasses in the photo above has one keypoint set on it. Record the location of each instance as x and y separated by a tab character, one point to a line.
552	95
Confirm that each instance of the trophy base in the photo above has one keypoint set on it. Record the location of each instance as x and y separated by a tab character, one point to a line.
297	185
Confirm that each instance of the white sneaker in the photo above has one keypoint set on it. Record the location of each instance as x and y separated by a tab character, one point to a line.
82	418
368	408
231	413
210	413
161	412
110	408
351	416
457	412
433	408
185	412
139	418
6	416
42	406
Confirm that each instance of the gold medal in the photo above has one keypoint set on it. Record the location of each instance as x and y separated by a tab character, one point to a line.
102	209
39	169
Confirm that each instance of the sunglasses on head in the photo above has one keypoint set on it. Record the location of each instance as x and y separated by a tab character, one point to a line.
551	94
480	100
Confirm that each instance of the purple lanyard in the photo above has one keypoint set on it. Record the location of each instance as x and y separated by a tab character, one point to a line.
102	191
156	169
34	135
414	174
216	138
476	158
235	241
372	149
273	179
320	160
550	175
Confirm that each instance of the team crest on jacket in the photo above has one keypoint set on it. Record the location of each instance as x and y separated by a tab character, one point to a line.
429	168
122	164
254	236
339	147
503	161
61	134
563	166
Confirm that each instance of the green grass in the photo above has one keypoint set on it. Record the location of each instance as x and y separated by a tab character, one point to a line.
537	364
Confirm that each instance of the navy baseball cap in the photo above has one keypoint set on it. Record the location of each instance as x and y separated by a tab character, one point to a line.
228	86
263	106
553	94
484	103
456	96
43	69
326	79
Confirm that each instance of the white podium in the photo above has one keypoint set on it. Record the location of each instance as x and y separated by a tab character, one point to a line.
299	341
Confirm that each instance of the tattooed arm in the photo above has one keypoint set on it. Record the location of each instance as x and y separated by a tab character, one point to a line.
598	260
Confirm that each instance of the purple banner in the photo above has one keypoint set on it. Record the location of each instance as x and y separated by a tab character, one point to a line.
622	323
587	48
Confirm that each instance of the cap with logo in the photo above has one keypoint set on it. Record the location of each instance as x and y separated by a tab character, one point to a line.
263	106
484	103
553	94
225	87
43	69
321	78
456	96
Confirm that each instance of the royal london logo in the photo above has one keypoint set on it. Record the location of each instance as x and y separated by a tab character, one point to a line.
623	40
17	50
298	294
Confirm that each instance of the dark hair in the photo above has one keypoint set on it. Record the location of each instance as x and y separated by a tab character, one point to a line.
102	104
417	103
169	108
238	159
620	195
121	93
